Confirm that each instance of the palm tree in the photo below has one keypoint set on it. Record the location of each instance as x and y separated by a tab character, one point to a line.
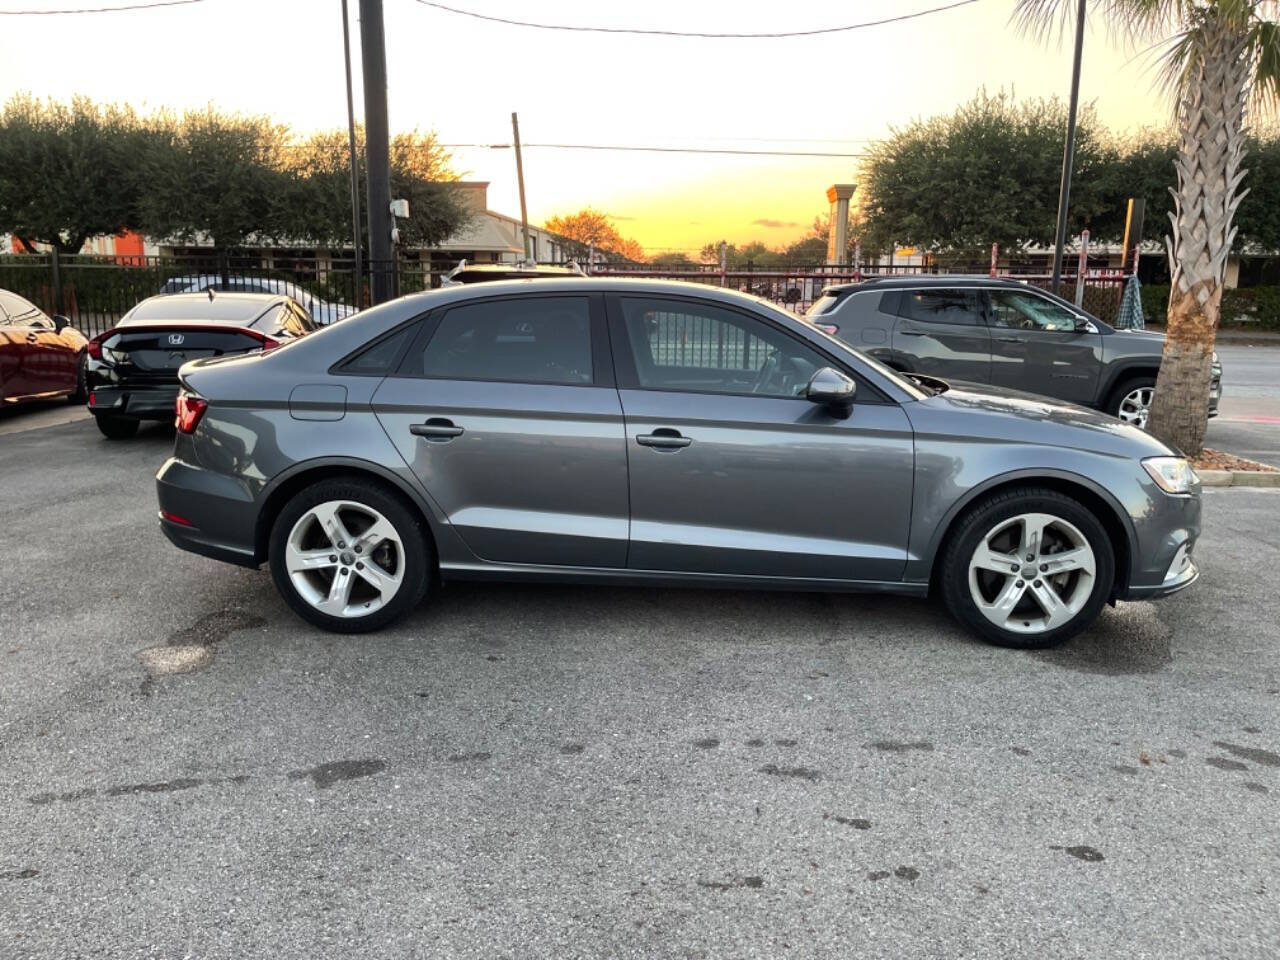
1220	59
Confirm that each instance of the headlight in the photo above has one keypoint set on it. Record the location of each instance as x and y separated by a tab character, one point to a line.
1172	474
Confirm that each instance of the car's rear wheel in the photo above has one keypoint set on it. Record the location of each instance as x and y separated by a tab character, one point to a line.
349	556
1028	568
116	428
1131	400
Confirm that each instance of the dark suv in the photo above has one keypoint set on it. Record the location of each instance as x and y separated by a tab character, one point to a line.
1002	332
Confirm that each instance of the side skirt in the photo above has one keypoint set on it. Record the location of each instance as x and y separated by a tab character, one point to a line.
522	573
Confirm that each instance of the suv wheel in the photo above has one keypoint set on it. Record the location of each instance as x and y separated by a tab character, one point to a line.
1131	400
349	556
116	428
1028	568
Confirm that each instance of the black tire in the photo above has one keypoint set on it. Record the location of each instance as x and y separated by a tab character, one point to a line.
116	428
409	526
1123	389
81	393
981	518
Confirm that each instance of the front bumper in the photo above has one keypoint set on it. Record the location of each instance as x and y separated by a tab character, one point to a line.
1182	573
1167	529
1215	393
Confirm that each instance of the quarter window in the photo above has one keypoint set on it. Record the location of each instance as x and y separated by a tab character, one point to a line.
530	340
1027	311
681	345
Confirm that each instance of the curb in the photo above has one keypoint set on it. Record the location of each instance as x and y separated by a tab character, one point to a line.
1238	478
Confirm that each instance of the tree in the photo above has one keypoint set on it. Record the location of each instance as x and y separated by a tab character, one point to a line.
674	260
214	175
68	171
1224	57
590	228
319	208
987	173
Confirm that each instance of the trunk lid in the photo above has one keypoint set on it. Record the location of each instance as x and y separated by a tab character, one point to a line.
155	352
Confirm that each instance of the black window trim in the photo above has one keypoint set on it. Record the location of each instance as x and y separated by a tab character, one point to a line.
602	373
628	378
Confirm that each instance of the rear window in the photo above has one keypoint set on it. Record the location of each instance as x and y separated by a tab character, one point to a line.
525	340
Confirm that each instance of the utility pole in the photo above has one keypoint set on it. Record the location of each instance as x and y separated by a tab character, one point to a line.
1068	152
377	149
524	212
355	170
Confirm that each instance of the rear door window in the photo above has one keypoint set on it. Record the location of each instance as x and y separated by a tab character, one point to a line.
525	340
941	306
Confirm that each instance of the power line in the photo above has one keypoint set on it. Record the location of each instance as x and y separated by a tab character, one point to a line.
639	149
132	6
679	33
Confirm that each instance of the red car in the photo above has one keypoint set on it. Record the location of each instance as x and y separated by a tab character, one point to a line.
41	358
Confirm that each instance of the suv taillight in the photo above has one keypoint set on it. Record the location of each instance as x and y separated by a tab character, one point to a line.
831	329
189	409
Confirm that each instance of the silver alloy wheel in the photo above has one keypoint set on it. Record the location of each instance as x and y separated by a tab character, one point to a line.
1032	573
345	558
1135	405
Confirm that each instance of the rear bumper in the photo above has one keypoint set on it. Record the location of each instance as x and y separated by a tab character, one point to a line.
150	402
215	515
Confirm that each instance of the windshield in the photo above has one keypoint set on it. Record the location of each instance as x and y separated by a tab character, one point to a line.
908	386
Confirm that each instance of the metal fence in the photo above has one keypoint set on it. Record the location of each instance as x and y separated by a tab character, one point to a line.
96	291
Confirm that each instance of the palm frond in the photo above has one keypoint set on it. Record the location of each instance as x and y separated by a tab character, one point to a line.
1264	47
1132	21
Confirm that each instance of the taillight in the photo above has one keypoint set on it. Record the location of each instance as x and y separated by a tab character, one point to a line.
830	329
190	409
269	343
94	346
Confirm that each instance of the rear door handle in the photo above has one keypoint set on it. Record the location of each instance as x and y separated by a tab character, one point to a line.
1008	340
436	430
911	333
663	438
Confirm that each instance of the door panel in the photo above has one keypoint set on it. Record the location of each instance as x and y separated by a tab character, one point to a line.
538	473
1036	347
942	333
768	487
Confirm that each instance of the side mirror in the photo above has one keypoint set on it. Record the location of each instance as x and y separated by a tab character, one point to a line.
831	387
1085	325
60	322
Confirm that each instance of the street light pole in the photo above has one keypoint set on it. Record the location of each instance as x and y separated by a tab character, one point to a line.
355	175
1069	152
524	210
377	149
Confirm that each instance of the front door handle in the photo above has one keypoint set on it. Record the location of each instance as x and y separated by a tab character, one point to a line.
664	438
911	333
436	430
1008	340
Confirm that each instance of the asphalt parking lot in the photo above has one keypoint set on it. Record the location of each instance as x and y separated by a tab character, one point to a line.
564	772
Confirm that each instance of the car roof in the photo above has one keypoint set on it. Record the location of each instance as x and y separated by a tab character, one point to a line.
917	280
220	308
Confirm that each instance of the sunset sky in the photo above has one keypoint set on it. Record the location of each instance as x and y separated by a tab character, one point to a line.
462	77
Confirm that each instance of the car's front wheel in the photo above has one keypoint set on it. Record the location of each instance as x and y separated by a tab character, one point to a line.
349	556
1131	400
1028	568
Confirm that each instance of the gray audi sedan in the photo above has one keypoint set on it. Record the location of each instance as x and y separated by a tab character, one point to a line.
658	433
